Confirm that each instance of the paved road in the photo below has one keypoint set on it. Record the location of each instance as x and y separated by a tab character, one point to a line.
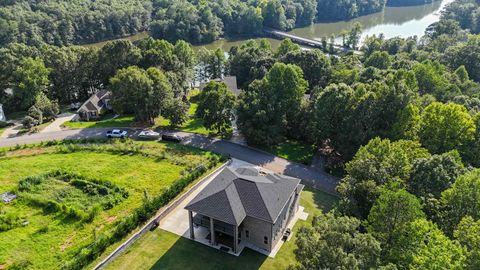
311	177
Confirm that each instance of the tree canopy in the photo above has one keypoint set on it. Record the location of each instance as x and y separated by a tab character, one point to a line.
145	93
216	107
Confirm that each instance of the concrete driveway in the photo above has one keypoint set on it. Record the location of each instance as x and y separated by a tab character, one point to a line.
57	124
11	131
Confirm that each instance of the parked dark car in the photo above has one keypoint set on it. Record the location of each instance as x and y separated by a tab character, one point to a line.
286	234
171	138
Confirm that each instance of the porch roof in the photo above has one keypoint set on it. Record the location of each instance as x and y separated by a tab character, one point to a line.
235	194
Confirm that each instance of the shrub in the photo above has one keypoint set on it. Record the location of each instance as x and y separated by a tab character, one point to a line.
9	221
36	114
28	122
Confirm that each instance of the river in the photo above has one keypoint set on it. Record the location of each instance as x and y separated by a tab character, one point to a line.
392	22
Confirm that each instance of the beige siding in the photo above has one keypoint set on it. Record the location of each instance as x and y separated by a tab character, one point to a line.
283	219
257	230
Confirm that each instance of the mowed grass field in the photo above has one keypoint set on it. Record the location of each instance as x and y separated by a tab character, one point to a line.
167	251
293	150
46	240
106	122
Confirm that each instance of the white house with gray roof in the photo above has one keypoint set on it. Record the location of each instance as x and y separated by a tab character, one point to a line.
247	205
97	104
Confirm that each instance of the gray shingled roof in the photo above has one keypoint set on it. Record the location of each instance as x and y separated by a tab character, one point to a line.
233	195
95	102
230	81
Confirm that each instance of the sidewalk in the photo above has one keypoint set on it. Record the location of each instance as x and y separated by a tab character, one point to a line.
11	131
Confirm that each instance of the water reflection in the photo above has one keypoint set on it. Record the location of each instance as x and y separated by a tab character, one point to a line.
392	22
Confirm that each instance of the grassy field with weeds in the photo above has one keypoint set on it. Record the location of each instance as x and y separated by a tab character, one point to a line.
69	195
160	249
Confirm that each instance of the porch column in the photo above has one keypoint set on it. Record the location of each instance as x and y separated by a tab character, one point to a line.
235	239
190	220
212	233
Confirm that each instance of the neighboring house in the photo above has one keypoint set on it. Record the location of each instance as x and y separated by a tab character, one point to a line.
95	106
247	205
230	81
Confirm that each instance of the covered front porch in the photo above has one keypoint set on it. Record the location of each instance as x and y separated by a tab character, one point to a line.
217	233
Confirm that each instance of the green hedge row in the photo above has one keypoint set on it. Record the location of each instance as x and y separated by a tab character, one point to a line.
139	217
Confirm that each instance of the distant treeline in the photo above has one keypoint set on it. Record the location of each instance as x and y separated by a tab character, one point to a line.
399	3
60	22
63	23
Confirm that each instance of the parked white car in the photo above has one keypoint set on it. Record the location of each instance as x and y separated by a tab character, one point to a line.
117	133
148	135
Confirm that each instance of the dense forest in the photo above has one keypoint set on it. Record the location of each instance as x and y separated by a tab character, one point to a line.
398	123
42	78
60	22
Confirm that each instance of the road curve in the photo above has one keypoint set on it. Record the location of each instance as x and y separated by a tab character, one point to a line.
310	176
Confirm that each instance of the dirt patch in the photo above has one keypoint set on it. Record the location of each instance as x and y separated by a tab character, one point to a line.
111	219
29	152
67	243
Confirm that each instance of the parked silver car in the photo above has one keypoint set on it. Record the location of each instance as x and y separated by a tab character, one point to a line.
117	133
148	135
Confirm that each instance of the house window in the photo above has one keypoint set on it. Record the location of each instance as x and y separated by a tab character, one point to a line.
265	240
247	234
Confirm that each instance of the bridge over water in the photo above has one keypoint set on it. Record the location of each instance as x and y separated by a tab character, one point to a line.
304	41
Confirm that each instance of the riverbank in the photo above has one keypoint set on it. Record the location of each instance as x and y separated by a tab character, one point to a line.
393	21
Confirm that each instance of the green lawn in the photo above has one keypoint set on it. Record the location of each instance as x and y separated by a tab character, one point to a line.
106	122
49	239
293	150
193	125
164	250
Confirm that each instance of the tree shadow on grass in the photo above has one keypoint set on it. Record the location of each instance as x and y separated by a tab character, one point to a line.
324	201
186	254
